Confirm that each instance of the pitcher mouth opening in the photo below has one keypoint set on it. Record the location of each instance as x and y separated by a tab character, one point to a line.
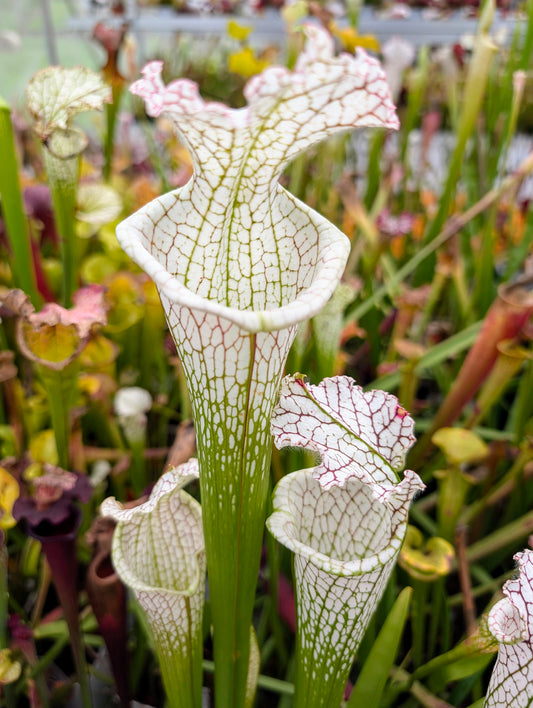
332	253
343	548
346	568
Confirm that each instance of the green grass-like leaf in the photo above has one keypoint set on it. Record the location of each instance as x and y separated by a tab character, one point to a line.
375	672
13	209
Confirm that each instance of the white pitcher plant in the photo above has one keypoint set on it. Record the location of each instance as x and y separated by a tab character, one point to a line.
158	551
239	263
344	520
511	623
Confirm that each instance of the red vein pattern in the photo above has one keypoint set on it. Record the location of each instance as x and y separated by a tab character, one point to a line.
356	433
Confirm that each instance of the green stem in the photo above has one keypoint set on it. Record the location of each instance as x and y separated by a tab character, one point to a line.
13	210
138	476
60	387
374	171
485	290
418	618
453	487
234	477
111	110
233	378
63	181
273	586
184	398
523	405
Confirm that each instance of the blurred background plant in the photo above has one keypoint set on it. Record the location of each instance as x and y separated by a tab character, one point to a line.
435	306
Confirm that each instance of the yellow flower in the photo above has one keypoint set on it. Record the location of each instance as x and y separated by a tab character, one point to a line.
237	31
9	492
350	38
245	63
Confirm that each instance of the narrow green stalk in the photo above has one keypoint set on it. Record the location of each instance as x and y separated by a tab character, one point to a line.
60	388
234	478
522	410
518	82
13	210
438	633
374	172
151	355
83	673
137	470
461	290
485	290
408	383
185	407
63	181
273	586
111	110
353	10
418	619
232	580
453	487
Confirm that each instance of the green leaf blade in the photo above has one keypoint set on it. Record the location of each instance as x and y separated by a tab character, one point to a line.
375	672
